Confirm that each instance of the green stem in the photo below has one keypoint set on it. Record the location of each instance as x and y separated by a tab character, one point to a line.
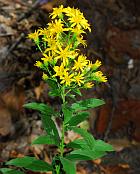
62	139
63	126
57	169
39	47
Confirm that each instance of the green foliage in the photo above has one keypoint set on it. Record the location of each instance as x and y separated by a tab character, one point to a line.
67	112
77	91
78	118
89	139
48	124
77	144
41	107
44	139
50	128
85	154
102	146
87	104
10	171
87	148
69	166
54	90
31	163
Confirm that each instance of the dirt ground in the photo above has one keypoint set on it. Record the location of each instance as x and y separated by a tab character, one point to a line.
115	40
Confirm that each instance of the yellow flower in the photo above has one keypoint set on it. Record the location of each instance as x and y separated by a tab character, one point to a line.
56	27
79	79
69	11
81	41
57	11
60	71
43	31
77	19
47	58
52	46
96	65
80	63
77	30
38	64
65	54
34	36
88	85
45	76
98	76
67	79
89	65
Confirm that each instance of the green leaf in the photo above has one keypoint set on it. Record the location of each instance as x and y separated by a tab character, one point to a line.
78	144
77	91
48	123
89	139
102	146
80	117
87	104
43	108
67	112
43	139
78	157
54	92
71	96
10	171
31	163
68	166
50	128
81	154
52	84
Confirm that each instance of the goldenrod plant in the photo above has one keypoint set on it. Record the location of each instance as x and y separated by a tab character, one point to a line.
67	71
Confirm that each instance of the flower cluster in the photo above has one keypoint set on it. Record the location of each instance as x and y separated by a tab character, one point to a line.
59	44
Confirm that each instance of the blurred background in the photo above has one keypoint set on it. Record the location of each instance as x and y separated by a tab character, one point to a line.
115	40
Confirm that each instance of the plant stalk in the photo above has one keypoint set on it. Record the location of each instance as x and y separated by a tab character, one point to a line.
63	126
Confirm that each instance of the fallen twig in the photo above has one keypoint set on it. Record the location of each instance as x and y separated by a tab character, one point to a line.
15	44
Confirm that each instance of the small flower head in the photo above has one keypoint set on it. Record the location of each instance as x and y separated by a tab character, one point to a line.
96	65
47	58
79	79
80	63
57	12
64	54
99	77
45	76
88	85
60	70
67	79
34	36
38	64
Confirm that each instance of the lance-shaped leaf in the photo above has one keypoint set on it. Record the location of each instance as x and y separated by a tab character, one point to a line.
87	104
86	154
41	107
67	112
44	139
50	128
68	166
89	139
54	90
10	171
78	144
77	91
102	146
78	118
31	163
